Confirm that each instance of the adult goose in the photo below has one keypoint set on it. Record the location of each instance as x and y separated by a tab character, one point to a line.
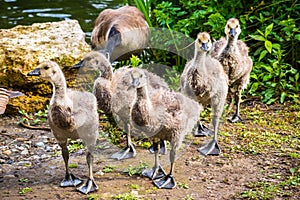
120	32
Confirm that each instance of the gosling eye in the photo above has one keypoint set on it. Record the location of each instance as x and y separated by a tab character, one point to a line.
46	67
237	26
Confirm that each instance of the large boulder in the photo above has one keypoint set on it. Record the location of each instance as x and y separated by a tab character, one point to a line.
24	47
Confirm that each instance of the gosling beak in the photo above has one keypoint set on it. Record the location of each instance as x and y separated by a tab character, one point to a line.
35	72
204	47
135	82
232	32
78	65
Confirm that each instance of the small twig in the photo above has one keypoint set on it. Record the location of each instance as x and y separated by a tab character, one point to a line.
35	127
7	135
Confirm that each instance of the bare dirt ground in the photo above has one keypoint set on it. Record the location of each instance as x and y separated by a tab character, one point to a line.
247	157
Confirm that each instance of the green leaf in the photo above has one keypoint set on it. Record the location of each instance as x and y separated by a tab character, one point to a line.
258	37
262	55
268	46
254	87
282	97
268	30
297	37
276	46
260	32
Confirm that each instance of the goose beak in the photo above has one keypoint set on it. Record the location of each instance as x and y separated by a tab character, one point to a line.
35	72
232	32
78	65
204	47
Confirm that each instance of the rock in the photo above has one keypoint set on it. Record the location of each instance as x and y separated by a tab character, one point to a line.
25	152
7	152
39	144
24	47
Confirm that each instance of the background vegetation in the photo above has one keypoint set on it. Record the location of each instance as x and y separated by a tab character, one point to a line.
270	29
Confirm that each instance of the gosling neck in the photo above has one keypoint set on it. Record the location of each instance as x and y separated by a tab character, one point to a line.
142	93
107	73
231	42
199	60
59	88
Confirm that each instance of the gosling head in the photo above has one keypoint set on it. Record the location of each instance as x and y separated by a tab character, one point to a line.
94	61
203	42
47	70
232	28
138	77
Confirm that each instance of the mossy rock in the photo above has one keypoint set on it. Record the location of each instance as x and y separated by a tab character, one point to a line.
24	47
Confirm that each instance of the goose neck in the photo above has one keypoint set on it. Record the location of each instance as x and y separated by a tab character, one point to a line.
142	93
59	88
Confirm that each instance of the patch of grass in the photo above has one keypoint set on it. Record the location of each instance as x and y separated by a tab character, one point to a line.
108	169
75	146
24	180
25	190
269	190
34	119
134	186
267	130
136	170
146	145
73	165
125	196
93	197
183	185
188	197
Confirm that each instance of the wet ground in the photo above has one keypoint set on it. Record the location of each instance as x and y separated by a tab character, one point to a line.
31	166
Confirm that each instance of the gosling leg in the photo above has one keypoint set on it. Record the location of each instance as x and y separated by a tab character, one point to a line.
168	181
129	151
70	179
212	148
236	117
202	130
90	185
156	171
163	148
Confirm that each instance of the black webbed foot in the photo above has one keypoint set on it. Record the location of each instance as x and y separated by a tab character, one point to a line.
127	152
154	173
89	186
211	148
70	180
166	182
236	119
202	131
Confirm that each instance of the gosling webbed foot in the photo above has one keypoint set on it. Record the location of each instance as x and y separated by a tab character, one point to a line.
202	131
154	173
163	148
236	119
70	180
127	152
166	182
211	148
89	186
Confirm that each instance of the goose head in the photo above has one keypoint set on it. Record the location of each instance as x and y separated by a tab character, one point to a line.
203	42
232	28
138	78
47	70
94	61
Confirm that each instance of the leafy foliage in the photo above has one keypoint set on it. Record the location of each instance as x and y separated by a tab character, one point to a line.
268	27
